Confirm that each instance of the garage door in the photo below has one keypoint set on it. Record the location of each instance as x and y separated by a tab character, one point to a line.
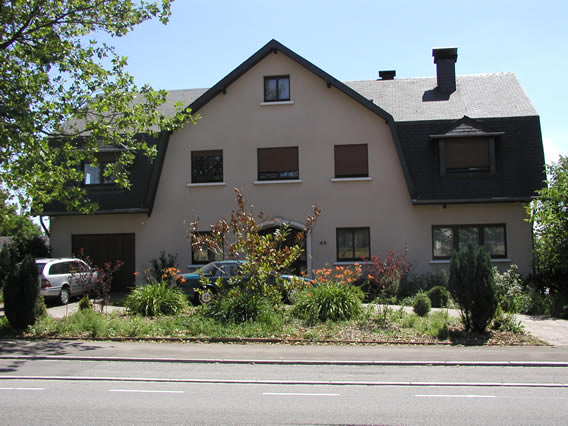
104	248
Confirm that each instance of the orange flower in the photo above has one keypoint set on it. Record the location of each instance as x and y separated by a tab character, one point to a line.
309	294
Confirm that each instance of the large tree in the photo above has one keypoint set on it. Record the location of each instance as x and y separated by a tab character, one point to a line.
64	95
549	215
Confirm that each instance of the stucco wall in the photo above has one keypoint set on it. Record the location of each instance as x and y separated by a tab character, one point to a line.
319	118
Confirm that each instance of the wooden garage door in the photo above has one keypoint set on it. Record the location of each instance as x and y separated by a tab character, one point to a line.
109	248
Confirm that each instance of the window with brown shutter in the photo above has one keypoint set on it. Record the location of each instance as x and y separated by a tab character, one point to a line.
467	155
278	163
351	161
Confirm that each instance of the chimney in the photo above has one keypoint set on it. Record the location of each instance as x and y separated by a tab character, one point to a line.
445	60
387	75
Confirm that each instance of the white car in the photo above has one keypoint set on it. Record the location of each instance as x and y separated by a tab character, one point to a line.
64	278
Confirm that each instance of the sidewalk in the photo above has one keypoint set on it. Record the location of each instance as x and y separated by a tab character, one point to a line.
279	354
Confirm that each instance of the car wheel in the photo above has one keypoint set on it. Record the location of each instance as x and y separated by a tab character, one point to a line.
206	296
64	296
292	295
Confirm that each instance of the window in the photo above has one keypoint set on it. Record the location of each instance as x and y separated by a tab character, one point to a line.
203	255
207	166
277	88
446	239
467	155
94	174
351	161
353	244
278	163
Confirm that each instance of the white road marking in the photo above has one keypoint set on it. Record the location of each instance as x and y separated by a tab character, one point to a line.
298	394
24	389
144	391
455	396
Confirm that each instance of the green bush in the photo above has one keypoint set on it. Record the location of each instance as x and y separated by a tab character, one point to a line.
421	304
509	290
329	302
506	321
472	286
23	304
237	306
156	298
85	303
439	296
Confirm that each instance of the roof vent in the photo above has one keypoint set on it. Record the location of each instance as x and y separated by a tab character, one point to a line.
387	75
445	60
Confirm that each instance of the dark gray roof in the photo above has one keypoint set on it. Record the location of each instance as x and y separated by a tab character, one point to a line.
477	96
414	99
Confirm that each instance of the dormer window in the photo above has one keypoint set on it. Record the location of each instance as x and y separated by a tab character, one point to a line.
94	173
277	88
467	147
467	155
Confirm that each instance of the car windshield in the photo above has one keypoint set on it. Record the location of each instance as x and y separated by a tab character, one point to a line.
40	267
208	269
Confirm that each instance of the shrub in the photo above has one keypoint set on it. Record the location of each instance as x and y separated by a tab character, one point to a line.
472	286
156	298
506	321
421	304
237	307
23	304
329	302
85	303
509	290
159	266
439	296
384	275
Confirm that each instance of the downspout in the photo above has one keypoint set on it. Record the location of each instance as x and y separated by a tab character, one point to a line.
43	226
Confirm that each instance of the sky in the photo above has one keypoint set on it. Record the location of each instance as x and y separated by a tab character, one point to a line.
353	40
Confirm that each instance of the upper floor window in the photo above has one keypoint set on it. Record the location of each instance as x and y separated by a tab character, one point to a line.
277	88
96	173
207	166
351	161
278	163
467	155
353	244
446	239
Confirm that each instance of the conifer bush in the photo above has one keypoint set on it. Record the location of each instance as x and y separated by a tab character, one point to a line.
472	286
23	303
439	296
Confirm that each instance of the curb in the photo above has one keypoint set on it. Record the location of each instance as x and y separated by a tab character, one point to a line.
385	363
288	382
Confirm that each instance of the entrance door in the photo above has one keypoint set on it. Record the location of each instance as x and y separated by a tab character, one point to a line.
104	248
300	265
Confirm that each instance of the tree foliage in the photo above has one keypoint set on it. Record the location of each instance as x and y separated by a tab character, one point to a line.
61	89
549	215
265	255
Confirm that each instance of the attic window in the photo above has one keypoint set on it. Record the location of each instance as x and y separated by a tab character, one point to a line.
94	173
277	88
467	155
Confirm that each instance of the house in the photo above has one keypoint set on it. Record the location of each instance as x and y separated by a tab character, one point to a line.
424	163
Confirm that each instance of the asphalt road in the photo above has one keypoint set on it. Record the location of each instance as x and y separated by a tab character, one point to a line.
43	391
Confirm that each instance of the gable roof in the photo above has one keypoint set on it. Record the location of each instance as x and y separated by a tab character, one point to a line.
466	127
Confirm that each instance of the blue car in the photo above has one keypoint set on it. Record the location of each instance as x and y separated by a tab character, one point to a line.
196	290
191	282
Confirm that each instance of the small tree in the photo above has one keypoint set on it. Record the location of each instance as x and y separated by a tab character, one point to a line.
472	286
549	216
23	303
265	255
384	275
